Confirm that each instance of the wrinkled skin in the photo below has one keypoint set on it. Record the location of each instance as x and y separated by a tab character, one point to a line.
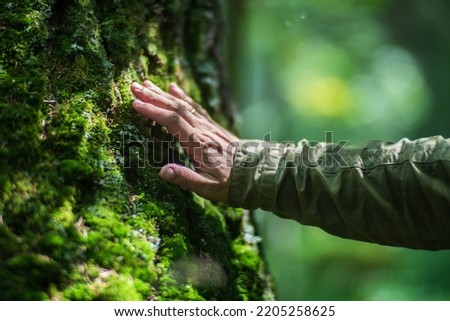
210	146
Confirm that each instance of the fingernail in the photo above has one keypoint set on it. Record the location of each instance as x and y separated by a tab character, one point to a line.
174	86
137	85
168	174
138	102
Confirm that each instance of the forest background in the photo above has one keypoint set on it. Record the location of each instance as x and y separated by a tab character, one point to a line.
362	70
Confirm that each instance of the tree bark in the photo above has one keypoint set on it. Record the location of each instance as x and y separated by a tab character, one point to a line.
83	212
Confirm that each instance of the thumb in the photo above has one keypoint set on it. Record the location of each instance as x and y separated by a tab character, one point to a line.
187	178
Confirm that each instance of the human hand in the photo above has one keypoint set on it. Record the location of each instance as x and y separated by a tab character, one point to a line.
210	146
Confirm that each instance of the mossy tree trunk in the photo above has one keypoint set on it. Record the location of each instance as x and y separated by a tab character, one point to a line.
83	213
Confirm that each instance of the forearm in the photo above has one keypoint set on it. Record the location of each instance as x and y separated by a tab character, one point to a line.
389	193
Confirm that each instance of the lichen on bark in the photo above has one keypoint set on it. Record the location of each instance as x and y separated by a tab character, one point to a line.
83	212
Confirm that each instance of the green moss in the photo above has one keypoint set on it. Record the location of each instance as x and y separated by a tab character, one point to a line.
83	212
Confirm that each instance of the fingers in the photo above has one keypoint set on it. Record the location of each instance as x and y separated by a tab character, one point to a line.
151	85
191	180
204	140
163	101
177	95
176	124
159	91
180	94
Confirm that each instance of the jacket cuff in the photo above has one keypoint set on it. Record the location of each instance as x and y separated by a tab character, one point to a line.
254	175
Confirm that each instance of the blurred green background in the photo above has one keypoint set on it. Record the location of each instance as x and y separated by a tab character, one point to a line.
363	70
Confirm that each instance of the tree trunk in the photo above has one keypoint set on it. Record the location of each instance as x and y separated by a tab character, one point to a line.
83	212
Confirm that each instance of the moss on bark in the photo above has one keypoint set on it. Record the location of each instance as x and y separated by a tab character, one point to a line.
83	213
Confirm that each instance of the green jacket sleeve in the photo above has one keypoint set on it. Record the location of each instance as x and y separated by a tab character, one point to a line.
391	193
